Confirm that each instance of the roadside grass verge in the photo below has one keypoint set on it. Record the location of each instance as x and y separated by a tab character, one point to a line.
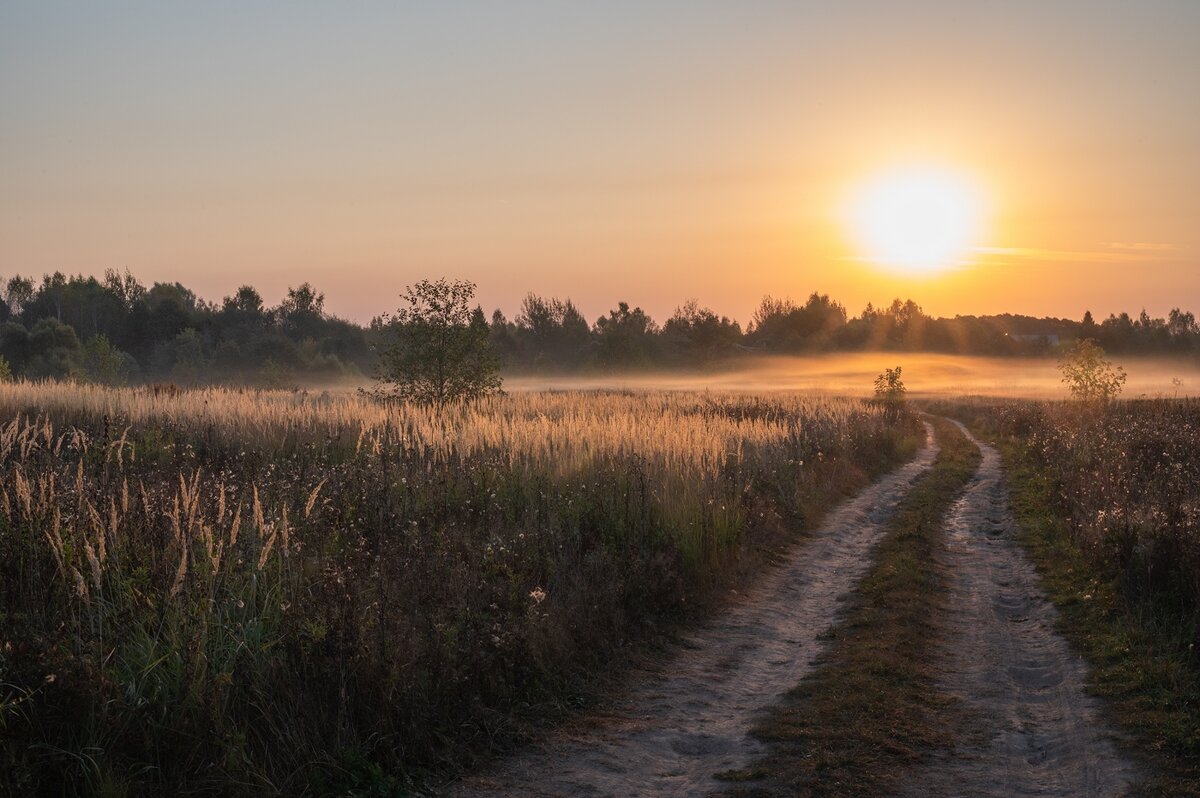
872	707
1141	661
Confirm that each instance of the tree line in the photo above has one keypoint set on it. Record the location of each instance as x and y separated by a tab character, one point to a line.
116	330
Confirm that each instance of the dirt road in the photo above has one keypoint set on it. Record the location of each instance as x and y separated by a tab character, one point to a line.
673	732
1038	731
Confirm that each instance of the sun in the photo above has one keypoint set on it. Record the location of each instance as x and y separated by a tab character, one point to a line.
917	220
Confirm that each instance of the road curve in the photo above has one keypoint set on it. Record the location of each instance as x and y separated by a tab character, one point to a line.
677	728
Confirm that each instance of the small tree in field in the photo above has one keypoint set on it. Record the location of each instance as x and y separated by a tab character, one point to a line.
890	390
1088	374
437	348
103	363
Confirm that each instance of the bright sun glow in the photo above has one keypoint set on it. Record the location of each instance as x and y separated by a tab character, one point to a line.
917	220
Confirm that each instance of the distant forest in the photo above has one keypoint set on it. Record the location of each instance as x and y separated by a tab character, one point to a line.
115	330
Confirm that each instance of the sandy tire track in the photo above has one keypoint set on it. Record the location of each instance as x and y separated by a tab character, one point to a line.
1040	732
677	728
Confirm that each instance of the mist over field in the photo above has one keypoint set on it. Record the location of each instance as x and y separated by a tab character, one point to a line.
925	375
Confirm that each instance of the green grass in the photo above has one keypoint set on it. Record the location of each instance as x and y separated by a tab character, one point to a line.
872	706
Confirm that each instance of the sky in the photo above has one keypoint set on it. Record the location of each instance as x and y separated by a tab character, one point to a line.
652	152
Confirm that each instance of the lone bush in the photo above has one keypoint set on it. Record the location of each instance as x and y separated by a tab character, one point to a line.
1088	374
890	390
437	348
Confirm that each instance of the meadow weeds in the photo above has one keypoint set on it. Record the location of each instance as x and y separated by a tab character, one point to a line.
1127	476
232	592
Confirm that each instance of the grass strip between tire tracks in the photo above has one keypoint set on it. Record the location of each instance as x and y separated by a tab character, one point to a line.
872	705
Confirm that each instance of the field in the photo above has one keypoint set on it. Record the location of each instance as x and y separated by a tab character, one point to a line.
543	400
235	592
227	591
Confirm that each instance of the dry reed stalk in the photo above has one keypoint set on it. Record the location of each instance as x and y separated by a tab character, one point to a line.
93	563
54	536
180	572
120	447
114	520
174	516
97	524
265	552
259	522
237	524
265	530
24	494
312	497
81	588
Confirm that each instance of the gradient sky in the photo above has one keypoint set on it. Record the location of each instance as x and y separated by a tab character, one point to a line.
647	151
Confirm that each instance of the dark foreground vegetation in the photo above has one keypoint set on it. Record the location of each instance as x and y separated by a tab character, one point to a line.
1108	500
216	593
115	330
872	708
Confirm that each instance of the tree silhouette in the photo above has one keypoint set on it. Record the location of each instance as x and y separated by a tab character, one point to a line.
438	349
625	337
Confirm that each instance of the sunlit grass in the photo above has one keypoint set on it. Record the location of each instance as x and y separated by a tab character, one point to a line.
269	592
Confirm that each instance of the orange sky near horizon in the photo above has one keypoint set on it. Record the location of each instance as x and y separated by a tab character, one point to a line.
603	153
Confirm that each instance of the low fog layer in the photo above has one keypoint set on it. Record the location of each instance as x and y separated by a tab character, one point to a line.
924	375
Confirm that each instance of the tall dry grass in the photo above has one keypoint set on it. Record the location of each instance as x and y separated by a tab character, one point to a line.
693	431
233	592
